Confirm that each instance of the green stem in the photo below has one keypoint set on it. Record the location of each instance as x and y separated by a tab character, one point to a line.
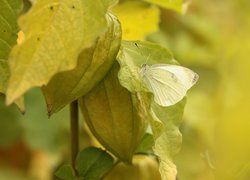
74	128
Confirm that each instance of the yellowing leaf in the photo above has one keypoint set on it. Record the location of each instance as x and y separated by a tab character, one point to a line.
169	4
138	19
8	35
165	125
55	33
4	76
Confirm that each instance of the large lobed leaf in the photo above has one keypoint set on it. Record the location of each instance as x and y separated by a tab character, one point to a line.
164	121
93	64
56	31
9	11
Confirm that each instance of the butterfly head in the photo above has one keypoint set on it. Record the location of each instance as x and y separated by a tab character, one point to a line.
144	66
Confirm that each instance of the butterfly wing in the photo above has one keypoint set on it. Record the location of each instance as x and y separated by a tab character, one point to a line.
169	83
184	75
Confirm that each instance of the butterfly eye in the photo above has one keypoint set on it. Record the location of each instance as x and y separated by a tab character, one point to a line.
144	67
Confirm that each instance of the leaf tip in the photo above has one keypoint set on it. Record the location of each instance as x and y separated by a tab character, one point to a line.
21	108
18	101
49	110
9	100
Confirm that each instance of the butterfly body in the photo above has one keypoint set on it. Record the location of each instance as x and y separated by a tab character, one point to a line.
168	83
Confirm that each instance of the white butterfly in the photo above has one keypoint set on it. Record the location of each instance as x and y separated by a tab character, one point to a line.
168	83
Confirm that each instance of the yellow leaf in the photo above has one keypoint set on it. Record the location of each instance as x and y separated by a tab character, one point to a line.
138	19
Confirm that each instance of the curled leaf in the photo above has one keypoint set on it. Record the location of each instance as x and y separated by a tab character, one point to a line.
164	121
93	64
165	125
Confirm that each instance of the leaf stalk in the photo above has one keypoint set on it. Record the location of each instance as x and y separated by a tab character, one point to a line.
74	128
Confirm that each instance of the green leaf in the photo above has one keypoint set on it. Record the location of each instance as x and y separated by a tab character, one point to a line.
132	58
165	126
9	11
146	144
56	32
116	117
169	4
93	64
4	75
92	163
109	3
164	121
66	172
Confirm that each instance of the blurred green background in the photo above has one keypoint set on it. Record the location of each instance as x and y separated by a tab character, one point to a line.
212	38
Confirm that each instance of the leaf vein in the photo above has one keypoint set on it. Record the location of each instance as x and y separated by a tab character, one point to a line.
6	21
5	42
9	6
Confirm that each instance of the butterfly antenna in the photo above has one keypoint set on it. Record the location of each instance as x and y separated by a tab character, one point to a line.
138	49
147	58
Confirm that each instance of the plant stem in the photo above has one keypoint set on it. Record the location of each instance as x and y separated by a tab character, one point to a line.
74	128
